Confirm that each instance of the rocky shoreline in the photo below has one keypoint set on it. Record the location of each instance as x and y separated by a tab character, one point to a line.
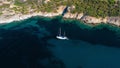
86	19
94	20
18	17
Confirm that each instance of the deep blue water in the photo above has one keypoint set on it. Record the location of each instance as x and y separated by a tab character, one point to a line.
31	43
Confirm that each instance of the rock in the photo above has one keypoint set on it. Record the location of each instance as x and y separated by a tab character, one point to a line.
93	20
114	20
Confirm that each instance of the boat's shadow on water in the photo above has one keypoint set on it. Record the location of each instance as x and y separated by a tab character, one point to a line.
103	36
21	49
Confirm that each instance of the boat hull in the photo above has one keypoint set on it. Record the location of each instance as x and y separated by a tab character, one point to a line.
62	38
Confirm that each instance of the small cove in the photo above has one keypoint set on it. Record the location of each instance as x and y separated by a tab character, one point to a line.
88	47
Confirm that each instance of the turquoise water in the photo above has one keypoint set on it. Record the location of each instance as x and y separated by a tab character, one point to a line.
31	43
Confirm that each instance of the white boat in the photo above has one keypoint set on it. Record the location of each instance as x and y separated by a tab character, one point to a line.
59	36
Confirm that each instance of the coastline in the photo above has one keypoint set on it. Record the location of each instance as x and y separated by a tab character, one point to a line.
18	17
81	17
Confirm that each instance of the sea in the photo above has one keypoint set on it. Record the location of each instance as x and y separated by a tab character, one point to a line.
32	43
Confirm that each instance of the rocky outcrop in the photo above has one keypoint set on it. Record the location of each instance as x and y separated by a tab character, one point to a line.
9	17
94	20
114	20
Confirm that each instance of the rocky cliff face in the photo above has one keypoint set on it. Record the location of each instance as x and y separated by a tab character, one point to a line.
8	16
93	20
114	20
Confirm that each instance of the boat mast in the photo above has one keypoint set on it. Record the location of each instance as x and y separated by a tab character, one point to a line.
64	34
60	32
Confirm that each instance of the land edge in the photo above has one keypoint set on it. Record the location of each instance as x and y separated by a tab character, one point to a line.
81	17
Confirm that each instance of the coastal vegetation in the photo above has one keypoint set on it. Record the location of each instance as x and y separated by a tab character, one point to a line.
96	8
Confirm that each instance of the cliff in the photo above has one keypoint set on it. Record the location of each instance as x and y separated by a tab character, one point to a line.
94	20
9	17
